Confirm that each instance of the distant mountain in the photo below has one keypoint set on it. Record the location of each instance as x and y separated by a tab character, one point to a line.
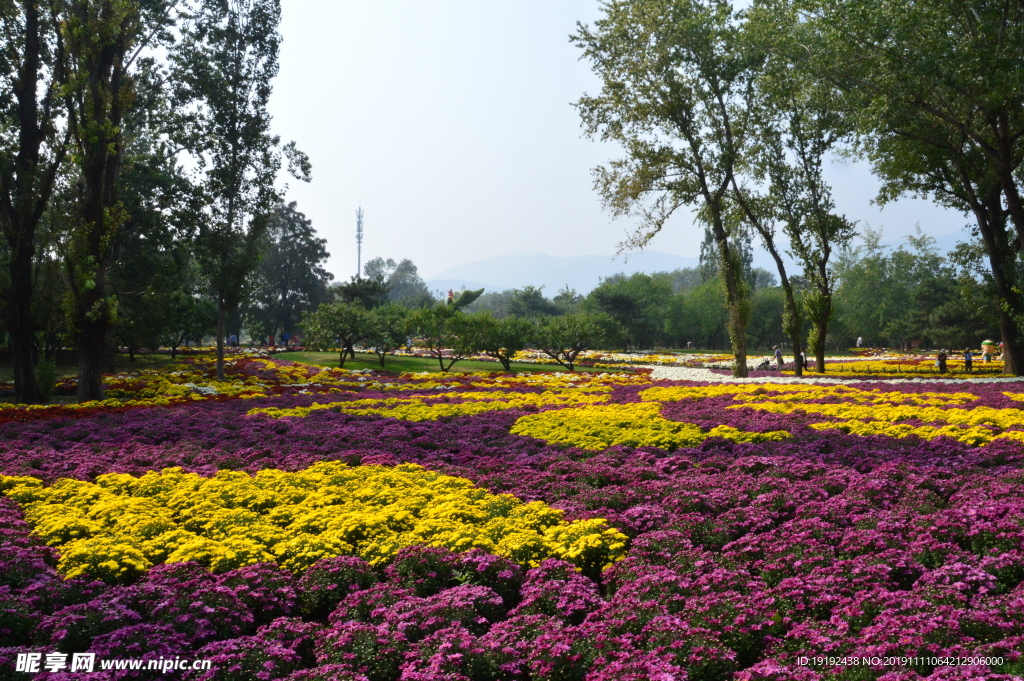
584	272
580	272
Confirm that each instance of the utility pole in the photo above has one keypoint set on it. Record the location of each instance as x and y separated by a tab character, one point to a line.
359	242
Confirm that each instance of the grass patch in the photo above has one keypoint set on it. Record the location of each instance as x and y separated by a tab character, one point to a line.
400	363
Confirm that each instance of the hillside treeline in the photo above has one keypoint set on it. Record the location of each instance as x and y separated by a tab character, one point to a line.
903	297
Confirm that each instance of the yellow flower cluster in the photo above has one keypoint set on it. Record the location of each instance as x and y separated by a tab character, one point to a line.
430	408
975	435
631	425
976	426
179	384
119	526
560	390
800	392
868	412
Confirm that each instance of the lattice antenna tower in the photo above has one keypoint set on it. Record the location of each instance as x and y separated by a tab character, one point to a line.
359	242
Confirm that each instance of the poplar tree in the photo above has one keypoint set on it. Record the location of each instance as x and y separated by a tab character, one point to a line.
223	67
936	88
101	41
676	92
31	152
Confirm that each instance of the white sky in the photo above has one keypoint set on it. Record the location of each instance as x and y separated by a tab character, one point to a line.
450	121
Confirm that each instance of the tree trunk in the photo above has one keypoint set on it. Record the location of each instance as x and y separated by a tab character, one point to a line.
792	326
92	319
790	315
26	189
19	322
1002	257
95	113
110	351
91	350
1015	208
220	342
737	302
820	329
341	359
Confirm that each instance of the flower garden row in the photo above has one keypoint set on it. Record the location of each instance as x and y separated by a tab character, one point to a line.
298	523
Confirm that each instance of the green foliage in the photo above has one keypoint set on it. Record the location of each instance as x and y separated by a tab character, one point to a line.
564	338
387	329
449	334
370	292
568	300
290	278
46	377
465	298
188	314
503	338
893	297
223	66
677	89
100	40
529	302
767	310
32	151
405	286
638	304
935	91
336	325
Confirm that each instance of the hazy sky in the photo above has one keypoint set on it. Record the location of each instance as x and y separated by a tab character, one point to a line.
451	122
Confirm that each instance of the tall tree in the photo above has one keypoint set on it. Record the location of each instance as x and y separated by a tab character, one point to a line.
152	250
676	92
937	90
189	315
102	40
370	292
530	302
781	189
405	286
290	278
32	149
638	303
224	65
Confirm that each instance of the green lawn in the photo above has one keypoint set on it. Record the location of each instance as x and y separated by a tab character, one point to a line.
370	361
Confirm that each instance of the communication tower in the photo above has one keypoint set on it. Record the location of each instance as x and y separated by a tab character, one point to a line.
359	242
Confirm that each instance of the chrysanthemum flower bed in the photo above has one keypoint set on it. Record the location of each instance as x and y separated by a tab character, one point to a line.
364	526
